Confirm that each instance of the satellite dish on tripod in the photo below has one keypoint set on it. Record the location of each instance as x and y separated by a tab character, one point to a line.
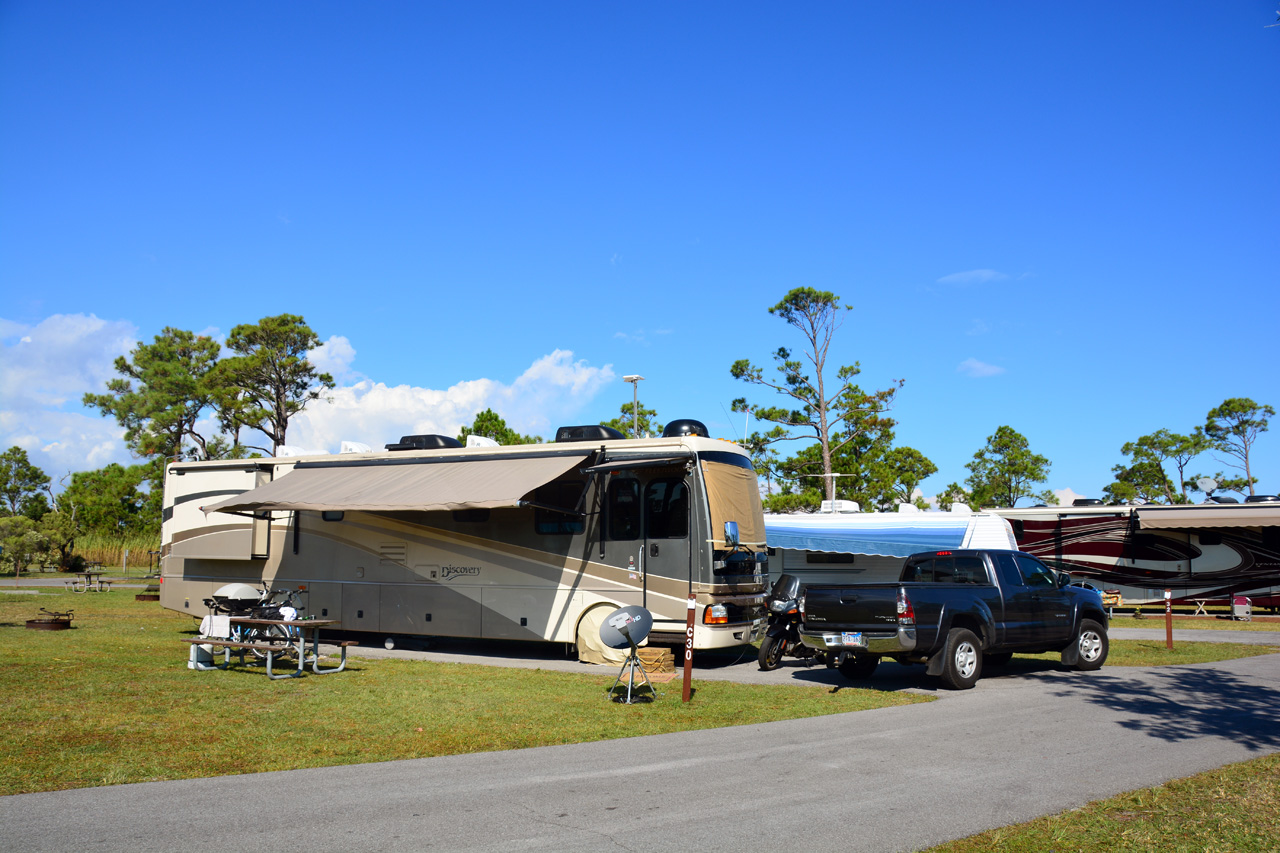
626	628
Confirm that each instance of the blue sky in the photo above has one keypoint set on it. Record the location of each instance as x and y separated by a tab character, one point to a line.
1060	218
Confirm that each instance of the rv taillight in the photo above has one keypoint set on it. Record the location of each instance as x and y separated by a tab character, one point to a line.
906	613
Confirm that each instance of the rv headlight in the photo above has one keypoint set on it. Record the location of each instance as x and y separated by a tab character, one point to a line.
716	614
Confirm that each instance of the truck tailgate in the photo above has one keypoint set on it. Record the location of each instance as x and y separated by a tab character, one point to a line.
864	607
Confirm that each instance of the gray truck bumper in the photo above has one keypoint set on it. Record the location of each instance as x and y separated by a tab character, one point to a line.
902	641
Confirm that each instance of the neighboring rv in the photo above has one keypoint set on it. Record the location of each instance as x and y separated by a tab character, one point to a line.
527	542
871	547
1203	551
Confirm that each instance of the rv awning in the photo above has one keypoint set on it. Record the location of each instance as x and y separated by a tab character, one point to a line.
887	538
639	462
455	484
1219	515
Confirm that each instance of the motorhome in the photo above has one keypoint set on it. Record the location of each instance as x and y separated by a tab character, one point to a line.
846	546
1201	551
528	542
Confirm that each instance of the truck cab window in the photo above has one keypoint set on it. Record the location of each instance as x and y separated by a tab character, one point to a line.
1008	569
1035	573
944	570
623	510
970	570
666	505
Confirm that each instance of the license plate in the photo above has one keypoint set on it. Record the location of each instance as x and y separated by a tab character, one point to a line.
852	638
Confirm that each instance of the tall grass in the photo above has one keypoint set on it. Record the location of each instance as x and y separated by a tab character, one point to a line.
109	550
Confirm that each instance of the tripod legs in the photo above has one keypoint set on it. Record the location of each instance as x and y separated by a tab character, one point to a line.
629	669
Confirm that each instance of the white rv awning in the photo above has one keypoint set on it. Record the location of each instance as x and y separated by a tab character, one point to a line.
880	534
455	484
1218	515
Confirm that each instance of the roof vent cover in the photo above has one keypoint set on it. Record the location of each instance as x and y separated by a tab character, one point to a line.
685	426
587	432
1087	502
424	442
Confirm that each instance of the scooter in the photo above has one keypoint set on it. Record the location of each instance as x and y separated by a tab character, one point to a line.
782	637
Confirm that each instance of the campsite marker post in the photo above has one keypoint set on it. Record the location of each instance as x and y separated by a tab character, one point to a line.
688	651
1168	618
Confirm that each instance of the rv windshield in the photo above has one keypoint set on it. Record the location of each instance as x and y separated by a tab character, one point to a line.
734	495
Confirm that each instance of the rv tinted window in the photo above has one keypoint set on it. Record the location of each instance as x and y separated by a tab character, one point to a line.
562	493
471	515
623	510
666	505
823	558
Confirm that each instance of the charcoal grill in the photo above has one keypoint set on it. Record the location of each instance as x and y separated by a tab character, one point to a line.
51	621
236	599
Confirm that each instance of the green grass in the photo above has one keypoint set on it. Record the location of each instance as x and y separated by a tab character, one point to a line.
1235	808
1194	623
111	701
1154	653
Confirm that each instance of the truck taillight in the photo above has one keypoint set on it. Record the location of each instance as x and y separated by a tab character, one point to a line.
802	605
906	613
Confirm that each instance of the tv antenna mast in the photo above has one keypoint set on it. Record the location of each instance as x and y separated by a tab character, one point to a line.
628	627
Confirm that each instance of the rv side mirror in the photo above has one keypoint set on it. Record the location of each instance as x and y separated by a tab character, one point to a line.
731	534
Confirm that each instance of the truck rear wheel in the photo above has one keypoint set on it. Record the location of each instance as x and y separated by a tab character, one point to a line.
962	661
859	667
1093	644
771	652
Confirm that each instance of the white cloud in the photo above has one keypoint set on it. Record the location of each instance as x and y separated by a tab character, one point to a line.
973	277
978	370
334	357
550	392
46	369
43	375
640	336
1066	496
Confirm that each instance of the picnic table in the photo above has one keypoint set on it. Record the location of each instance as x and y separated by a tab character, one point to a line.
1201	603
293	640
88	581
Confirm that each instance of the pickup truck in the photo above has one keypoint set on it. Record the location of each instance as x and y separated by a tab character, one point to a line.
955	611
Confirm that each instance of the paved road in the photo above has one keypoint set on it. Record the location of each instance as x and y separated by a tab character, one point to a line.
1033	741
